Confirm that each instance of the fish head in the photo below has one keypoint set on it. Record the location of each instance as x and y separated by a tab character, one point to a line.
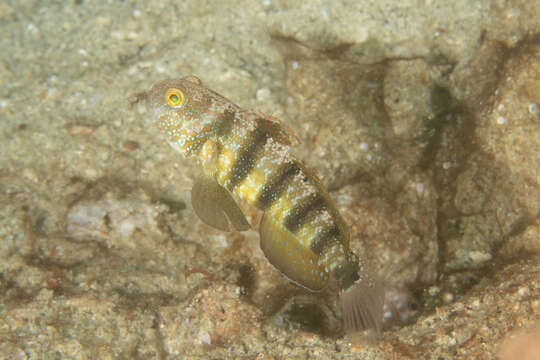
184	110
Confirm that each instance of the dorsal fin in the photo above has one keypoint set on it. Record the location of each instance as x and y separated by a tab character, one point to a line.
278	130
215	206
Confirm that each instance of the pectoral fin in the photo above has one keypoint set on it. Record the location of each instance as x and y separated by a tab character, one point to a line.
215	206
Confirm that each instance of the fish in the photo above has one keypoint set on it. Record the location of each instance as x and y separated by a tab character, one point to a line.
246	154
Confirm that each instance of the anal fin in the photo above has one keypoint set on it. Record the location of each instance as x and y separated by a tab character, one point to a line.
291	257
215	206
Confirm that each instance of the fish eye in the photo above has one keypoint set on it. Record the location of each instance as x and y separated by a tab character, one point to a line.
174	97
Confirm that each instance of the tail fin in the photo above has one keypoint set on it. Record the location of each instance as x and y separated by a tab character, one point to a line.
362	305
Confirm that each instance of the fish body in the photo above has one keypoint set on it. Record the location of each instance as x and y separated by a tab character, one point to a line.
248	154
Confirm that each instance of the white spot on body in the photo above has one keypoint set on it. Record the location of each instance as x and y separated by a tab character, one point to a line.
227	161
325	218
278	152
501	120
306	186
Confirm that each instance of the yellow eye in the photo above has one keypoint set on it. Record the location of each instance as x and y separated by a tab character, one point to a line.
174	97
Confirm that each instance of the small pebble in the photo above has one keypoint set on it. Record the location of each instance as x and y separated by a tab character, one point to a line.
434	290
447	297
523	291
131	145
263	94
204	337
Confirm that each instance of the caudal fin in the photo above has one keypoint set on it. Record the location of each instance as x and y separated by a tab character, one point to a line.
362	305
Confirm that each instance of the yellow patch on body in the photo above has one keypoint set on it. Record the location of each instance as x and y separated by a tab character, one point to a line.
208	150
250	187
225	161
279	208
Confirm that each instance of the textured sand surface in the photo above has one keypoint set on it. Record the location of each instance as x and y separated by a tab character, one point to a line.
421	118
